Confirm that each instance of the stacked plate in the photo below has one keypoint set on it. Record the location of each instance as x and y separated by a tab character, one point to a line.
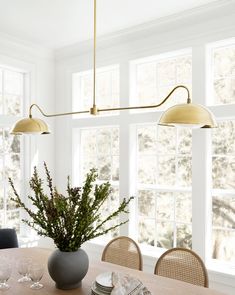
102	284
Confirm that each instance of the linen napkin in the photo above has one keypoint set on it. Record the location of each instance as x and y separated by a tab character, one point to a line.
124	284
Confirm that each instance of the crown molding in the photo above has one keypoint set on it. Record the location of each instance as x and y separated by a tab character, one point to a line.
186	18
12	44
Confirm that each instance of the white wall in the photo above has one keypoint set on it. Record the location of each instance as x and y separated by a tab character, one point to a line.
194	29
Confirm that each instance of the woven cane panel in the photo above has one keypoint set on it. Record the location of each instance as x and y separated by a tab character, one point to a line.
123	252
183	266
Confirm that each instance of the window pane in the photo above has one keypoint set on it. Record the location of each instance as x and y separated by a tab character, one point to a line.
12	104
104	167
107	89
147	169
146	231
156	78
166	170
166	139
184	141
223	149
183	207
184	171
10	166
223	200
146	203
147	139
223	237
184	236
11	143
223	245
165	206
224	74
165	235
12	92
223	139
223	172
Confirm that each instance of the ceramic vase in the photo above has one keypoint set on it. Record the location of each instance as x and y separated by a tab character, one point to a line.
68	269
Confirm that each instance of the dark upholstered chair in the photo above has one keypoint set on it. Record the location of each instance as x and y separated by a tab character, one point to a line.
123	251
184	265
8	238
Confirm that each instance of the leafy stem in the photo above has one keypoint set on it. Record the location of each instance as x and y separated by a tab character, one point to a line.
73	219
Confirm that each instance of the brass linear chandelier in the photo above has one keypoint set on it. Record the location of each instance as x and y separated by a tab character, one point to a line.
186	114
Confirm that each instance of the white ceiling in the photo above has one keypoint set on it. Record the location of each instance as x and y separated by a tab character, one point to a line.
58	23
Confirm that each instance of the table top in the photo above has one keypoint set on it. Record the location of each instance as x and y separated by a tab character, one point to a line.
155	284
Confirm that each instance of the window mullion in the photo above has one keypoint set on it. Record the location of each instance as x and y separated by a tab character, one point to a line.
201	193
126	138
201	162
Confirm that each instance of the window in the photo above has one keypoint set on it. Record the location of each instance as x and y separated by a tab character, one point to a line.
164	186
11	100
223	151
223	63
164	155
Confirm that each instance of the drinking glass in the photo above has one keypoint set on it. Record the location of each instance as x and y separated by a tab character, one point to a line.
5	273
23	269
35	273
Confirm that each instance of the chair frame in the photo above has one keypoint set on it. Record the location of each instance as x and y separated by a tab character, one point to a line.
140	264
157	266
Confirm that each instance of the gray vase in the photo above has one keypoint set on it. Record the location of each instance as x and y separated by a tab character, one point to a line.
68	269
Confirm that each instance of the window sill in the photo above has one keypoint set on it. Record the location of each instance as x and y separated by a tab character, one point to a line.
28	241
221	268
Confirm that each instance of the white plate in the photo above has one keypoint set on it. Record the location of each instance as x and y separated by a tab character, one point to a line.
105	280
96	291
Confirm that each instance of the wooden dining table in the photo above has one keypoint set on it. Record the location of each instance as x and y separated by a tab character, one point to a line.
156	284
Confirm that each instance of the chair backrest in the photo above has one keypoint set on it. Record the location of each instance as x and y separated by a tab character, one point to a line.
184	265
8	238
123	251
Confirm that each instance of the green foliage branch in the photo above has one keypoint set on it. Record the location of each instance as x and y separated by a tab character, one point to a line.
73	219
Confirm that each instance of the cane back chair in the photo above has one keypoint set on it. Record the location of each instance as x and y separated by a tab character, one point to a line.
123	251
184	265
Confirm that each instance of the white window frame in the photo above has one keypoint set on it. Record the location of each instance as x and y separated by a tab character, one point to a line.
28	144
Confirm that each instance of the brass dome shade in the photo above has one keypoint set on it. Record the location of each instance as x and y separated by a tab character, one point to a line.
30	126
188	115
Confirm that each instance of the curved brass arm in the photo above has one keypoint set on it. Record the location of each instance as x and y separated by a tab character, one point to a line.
94	110
53	115
147	106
